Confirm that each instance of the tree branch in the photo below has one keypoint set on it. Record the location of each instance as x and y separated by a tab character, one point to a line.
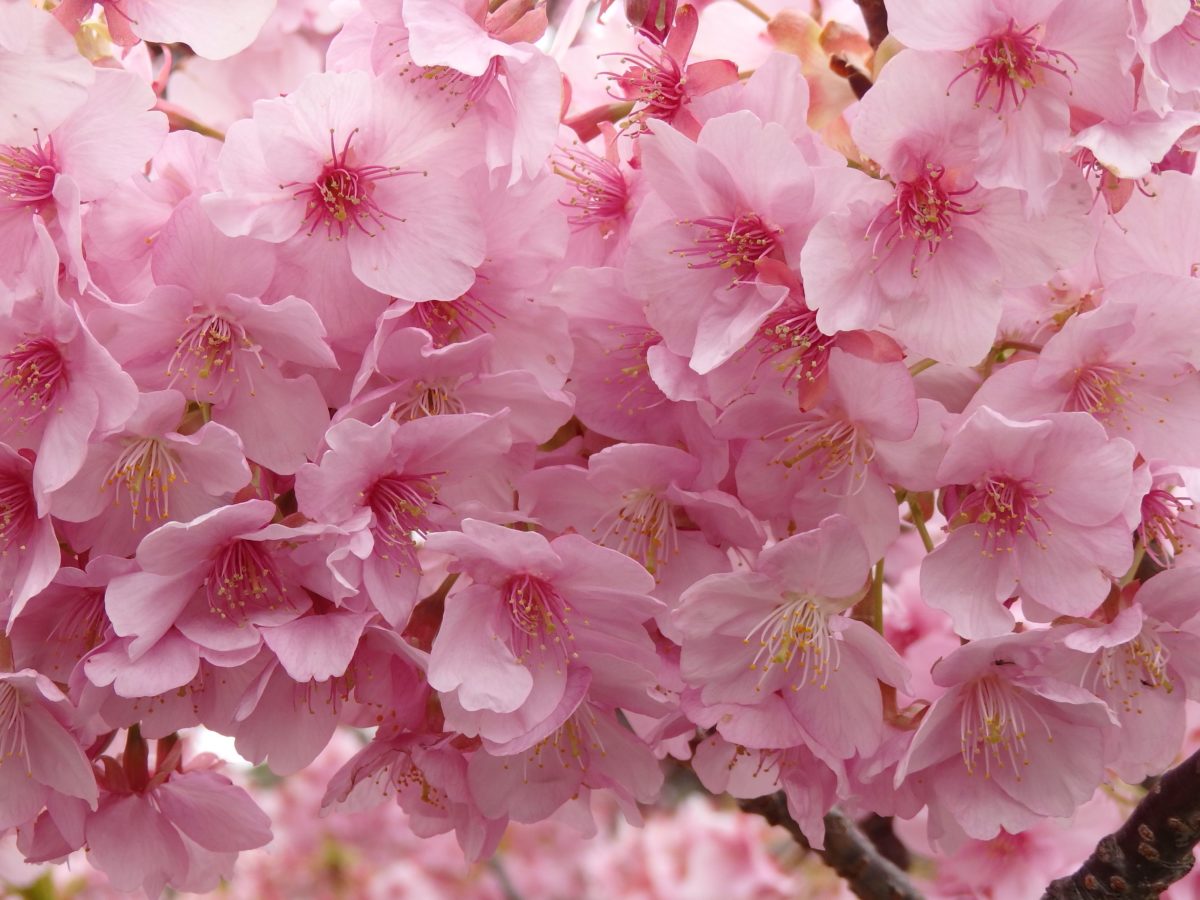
1150	852
875	15
847	851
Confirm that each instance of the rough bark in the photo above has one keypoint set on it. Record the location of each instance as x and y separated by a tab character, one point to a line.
1150	852
847	851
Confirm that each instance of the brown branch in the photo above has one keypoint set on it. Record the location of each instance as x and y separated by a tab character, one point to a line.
847	851
1150	852
875	15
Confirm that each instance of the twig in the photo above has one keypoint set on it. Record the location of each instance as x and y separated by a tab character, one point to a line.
1150	852
847	851
875	15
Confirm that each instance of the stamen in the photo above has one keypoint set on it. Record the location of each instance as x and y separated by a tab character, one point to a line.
211	344
601	193
653	80
923	211
1013	62
735	244
643	528
18	512
147	470
1002	509
796	632
242	581
401	507
27	174
993	725
34	373
342	195
13	740
1159	530
839	447
540	619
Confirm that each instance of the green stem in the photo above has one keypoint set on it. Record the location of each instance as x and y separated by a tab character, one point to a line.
1139	554
918	518
876	596
917	368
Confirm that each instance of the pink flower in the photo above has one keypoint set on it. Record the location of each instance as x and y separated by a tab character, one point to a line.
1005	745
29	552
39	757
528	621
204	331
43	78
387	485
775	663
1030	67
427	776
800	467
742	197
661	83
633	497
58	386
1034	508
146	474
212	28
169	826
210	579
47	176
486	53
355	159
1130	364
909	252
411	378
591	750
1142	664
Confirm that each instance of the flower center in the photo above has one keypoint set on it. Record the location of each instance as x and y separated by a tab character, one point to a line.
243	581
27	174
1129	670
1097	390
923	211
342	196
17	513
797	632
791	331
429	399
34	374
454	83
735	244
401	507
1001	510
1012	62
601	193
571	745
540	619
993	725
653	80
1159	531
13	742
450	321
836	447
207	351
146	470
643	527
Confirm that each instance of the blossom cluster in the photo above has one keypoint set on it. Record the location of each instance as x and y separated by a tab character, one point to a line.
566	400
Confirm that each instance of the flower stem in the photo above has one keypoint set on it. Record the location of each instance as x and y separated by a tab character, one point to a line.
918	519
754	9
